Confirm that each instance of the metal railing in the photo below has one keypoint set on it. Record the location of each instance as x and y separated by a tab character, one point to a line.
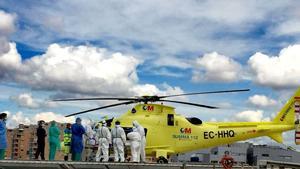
11	164
266	164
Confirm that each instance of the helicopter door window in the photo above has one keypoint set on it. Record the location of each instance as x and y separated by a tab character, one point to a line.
170	119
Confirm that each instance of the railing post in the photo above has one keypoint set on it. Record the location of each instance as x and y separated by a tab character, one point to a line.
183	166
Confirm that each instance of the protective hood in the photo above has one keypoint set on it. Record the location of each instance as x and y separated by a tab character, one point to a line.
53	123
135	123
104	123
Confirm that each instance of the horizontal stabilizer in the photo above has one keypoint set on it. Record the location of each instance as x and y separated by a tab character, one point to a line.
276	136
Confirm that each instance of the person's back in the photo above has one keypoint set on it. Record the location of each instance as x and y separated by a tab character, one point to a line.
54	142
76	142
67	141
119	140
135	144
41	134
54	133
89	142
141	131
104	137
77	130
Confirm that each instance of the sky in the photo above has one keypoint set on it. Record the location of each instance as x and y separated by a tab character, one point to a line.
114	48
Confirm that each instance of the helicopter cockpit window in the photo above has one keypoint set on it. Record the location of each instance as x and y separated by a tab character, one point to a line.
194	120
170	119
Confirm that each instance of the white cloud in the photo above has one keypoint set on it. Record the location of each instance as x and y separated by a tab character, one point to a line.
164	32
216	67
148	90
9	62
14	119
250	116
25	100
20	119
6	28
6	23
262	101
280	71
77	69
169	90
50	116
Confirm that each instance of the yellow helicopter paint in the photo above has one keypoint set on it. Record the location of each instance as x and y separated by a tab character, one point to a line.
169	133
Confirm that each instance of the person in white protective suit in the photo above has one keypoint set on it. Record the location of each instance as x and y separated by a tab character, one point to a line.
119	139
141	130
135	144
104	137
89	142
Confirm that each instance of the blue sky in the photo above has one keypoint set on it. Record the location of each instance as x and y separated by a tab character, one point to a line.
54	49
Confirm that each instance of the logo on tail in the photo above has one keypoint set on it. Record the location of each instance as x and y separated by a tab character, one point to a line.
285	113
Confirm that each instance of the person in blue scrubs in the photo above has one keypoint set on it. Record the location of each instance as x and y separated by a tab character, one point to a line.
76	141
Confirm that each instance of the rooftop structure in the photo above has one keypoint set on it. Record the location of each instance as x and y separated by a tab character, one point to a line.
243	153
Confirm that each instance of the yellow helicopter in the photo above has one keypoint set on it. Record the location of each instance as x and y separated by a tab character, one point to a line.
168	133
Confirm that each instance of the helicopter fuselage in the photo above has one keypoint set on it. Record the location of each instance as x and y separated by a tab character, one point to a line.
169	133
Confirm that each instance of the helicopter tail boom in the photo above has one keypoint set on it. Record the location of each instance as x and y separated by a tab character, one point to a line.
290	111
289	116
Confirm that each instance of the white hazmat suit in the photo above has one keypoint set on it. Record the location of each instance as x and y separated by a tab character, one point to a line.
119	139
104	137
141	131
89	142
135	143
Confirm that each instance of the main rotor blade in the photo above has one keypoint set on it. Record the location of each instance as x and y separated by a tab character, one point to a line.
210	92
193	104
95	98
102	107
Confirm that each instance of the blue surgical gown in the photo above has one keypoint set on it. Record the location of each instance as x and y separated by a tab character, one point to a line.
3	141
76	141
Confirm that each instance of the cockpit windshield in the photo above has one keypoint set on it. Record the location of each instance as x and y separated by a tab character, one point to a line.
194	120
